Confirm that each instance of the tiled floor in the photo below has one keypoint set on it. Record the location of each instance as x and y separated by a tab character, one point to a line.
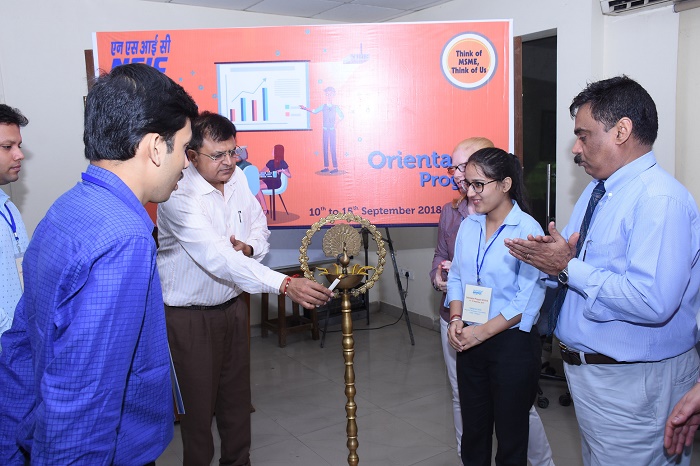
403	403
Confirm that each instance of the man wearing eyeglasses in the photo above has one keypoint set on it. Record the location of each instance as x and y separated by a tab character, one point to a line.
630	275
212	235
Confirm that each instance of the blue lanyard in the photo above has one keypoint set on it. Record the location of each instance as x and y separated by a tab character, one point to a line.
12	224
493	240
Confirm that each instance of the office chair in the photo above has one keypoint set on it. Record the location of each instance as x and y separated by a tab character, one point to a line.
284	182
252	174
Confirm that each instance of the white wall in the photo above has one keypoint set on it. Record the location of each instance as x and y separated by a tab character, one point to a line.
2	88
688	102
644	46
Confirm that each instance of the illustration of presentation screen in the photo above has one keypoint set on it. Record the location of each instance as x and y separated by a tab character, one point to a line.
264	96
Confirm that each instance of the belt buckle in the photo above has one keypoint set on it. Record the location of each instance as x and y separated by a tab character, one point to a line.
571	357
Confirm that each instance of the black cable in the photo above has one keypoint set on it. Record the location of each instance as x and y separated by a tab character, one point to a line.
380	327
366	329
403	311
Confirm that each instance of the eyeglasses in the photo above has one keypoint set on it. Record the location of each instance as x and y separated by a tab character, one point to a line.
477	186
461	167
234	153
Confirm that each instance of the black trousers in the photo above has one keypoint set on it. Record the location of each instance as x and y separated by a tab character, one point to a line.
497	385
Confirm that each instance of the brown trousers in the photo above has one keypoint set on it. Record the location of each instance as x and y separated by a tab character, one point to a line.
212	361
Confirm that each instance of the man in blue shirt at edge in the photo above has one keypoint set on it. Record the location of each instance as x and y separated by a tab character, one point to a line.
627	324
84	374
13	240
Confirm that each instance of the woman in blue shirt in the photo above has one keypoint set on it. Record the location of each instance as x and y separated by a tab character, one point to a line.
494	302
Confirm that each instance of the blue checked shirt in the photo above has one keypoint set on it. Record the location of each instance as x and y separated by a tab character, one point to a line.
84	372
634	289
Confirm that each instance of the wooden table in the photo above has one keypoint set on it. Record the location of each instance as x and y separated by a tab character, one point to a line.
284	324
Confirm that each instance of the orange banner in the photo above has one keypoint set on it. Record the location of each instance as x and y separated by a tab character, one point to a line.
366	115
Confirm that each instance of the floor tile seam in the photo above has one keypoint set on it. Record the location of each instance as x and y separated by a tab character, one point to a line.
412	400
439	439
292	434
454	451
302	443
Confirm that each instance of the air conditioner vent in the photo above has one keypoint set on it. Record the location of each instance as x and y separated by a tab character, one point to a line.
618	7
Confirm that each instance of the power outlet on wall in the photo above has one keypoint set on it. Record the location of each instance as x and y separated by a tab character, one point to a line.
405	273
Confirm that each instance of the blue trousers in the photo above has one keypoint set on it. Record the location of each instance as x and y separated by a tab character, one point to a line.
329	143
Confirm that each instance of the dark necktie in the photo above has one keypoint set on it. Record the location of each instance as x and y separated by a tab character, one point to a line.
596	196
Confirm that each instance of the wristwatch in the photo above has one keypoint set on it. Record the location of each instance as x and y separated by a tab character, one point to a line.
563	276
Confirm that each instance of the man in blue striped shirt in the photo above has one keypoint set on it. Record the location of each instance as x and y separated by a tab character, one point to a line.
84	372
627	323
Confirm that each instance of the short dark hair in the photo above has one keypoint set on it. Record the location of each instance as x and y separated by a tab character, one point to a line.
128	103
213	126
12	116
498	164
618	97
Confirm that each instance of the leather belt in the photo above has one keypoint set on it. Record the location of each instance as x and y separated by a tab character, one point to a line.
218	307
576	358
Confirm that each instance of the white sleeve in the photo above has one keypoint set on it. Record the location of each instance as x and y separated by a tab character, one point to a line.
187	220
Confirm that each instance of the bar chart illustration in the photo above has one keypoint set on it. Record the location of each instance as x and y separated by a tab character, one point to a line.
264	96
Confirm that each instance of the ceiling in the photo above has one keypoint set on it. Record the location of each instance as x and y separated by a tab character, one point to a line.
346	11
